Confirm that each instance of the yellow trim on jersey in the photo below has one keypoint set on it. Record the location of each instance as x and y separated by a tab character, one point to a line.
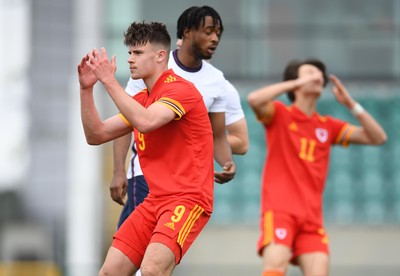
339	137
344	135
346	142
322	118
188	225
179	115
125	120
266	119
268	227
169	79
175	106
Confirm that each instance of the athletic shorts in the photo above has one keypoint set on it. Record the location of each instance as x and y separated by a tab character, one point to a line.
299	235
137	192
175	223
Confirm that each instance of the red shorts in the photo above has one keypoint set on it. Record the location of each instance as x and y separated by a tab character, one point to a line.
175	223
299	235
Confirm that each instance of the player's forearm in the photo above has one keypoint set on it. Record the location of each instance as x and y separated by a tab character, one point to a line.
222	150
138	116
91	121
268	93
237	136
120	149
130	108
238	145
373	130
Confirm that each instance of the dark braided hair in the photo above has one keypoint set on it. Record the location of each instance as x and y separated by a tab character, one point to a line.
141	33
194	16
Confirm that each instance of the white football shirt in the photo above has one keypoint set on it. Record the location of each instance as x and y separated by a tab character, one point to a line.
219	95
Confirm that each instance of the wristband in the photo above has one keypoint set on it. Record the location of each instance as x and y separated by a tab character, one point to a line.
357	109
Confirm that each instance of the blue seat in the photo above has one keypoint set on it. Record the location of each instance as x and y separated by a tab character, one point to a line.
343	212
374	212
373	185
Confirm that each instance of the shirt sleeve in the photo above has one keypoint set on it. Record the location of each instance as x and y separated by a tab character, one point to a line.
234	111
341	131
137	97
181	97
134	86
279	109
221	96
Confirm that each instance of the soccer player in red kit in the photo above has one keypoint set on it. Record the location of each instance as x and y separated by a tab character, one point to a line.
298	147
175	144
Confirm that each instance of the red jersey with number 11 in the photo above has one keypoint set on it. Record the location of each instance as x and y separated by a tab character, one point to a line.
298	148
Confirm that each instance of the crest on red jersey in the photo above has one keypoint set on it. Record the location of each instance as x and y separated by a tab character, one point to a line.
322	134
280	233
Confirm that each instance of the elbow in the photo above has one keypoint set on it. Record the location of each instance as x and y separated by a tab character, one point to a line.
94	134
143	130
251	101
245	149
144	127
242	150
92	143
379	140
382	140
93	140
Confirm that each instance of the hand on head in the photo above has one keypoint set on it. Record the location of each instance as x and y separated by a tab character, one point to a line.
307	79
340	92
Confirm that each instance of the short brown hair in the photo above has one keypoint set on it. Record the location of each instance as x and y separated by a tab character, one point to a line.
142	33
291	72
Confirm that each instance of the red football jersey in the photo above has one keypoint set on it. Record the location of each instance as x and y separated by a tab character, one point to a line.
177	158
295	171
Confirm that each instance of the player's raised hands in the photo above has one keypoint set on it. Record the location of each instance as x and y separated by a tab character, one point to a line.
103	68
87	78
340	92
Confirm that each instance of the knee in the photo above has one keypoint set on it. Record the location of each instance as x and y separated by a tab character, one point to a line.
105	271
150	271
154	270
277	263
276	258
